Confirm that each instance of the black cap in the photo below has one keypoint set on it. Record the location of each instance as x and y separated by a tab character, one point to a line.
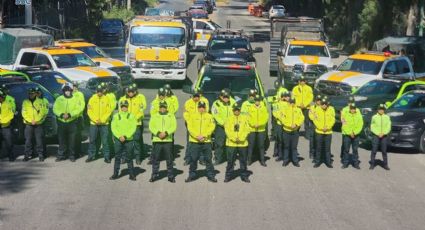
124	103
100	88
252	92
382	106
197	93
258	98
163	104
351	100
325	101
161	92
318	97
67	87
202	104
285	94
224	93
352	106
236	106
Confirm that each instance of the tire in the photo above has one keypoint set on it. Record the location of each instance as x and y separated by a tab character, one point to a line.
422	143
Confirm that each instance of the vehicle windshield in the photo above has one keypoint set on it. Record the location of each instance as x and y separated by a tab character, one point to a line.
238	81
229	44
52	81
72	60
110	23
20	92
361	66
157	36
299	50
411	101
377	87
278	8
93	51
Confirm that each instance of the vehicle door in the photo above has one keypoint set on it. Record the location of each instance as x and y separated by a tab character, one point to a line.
202	32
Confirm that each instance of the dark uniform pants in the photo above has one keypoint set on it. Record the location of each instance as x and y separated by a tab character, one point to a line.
376	143
256	139
307	124
138	142
291	145
34	132
348	142
6	141
123	151
78	136
220	140
95	132
323	142
312	140
66	137
197	150
232	153
165	148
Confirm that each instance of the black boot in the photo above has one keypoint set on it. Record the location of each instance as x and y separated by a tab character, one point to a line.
114	176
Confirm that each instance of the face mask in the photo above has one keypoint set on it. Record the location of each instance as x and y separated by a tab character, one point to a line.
251	100
67	93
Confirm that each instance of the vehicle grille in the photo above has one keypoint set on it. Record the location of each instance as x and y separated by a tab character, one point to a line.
94	82
154	65
333	88
124	73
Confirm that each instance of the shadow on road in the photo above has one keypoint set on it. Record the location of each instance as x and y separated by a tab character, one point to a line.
16	178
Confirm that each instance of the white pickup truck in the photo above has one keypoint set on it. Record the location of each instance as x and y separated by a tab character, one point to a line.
72	63
358	69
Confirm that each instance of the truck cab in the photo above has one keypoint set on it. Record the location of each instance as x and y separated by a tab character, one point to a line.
72	63
203	30
358	69
308	58
157	48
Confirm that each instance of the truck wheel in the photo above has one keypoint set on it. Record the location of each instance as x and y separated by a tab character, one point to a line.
422	143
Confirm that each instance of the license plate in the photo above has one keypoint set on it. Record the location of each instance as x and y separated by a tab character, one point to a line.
157	72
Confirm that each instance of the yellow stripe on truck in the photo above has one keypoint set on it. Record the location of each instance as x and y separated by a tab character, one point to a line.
113	62
340	76
157	54
96	71
310	60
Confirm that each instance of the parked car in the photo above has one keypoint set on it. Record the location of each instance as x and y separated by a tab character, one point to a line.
197	13
276	11
111	31
208	5
408	122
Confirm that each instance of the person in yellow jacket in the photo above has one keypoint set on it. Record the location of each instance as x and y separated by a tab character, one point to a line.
33	114
190	108
237	130
272	101
292	118
278	109
39	94
346	110
80	120
162	125
7	113
352	125
258	117
221	111
201	126
161	97
123	127
171	99
324	122
380	127
110	94
67	108
99	112
137	106
312	116
8	98
250	101
303	95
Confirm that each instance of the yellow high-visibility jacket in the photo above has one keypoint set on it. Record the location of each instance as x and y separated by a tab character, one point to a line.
34	111
99	109
258	116
234	133
325	120
191	107
136	106
292	115
200	124
303	95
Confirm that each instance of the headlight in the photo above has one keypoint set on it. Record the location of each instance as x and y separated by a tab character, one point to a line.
179	64
288	68
366	110
408	131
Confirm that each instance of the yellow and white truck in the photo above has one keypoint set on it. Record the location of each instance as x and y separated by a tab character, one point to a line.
157	48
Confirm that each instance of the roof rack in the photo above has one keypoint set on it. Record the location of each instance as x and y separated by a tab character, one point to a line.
53	47
33	68
71	40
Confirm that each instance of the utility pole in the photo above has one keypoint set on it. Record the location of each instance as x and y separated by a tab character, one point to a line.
128	4
421	18
28	12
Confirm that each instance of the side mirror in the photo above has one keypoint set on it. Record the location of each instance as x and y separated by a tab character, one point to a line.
97	63
334	55
258	50
187	89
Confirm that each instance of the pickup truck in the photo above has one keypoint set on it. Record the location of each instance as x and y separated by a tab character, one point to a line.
358	69
74	64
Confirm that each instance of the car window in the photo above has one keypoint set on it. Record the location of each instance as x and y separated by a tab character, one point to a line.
377	87
391	68
403	66
27	59
42	59
200	25
410	101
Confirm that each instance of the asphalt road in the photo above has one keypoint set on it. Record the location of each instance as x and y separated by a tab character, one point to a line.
67	195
